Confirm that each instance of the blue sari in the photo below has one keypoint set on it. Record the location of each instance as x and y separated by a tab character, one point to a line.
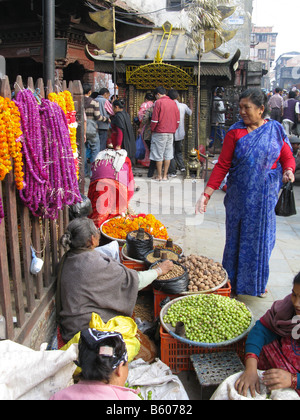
251	197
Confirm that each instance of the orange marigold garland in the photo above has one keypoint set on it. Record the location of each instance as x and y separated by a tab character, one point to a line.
10	144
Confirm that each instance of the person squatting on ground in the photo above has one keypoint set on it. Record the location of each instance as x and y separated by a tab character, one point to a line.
89	281
103	359
252	149
112	185
273	346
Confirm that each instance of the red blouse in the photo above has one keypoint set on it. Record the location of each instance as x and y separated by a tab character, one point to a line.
221	168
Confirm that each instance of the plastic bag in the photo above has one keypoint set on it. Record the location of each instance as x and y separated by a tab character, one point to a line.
138	248
36	263
82	209
172	286
140	148
111	250
286	203
122	324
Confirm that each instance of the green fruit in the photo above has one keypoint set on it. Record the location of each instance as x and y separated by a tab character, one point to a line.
209	318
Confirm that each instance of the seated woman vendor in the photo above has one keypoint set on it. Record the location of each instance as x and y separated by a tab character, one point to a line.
273	345
103	361
89	281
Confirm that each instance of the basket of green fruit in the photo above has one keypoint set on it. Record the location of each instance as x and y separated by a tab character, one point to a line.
207	320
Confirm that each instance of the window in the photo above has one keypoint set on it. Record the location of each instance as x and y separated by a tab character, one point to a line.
262	54
175	5
262	38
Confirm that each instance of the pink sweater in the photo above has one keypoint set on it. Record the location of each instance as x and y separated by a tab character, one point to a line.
91	390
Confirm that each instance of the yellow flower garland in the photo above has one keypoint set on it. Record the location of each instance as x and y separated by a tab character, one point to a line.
10	146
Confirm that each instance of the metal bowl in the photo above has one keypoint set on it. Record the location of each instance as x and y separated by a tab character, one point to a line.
170	329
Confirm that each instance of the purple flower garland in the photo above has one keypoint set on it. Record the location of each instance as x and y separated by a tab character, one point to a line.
50	180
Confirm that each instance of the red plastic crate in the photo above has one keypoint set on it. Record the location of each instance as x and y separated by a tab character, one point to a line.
134	265
137	267
131	264
176	354
160	296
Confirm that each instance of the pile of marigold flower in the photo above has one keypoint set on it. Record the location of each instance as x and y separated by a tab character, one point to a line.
119	227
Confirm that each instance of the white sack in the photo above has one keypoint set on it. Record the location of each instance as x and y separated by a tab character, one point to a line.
26	374
158	378
227	391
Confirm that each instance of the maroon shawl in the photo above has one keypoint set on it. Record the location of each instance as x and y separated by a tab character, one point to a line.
279	318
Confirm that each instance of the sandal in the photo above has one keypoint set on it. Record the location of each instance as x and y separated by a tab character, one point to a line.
264	295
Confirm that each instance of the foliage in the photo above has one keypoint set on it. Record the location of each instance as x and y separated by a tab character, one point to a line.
204	15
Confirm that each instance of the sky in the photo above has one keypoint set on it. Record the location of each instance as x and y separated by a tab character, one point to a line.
284	16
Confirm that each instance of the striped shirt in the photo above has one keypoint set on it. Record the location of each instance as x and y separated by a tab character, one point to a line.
92	109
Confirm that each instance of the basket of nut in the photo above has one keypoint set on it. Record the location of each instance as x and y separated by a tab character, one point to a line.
205	275
160	253
174	282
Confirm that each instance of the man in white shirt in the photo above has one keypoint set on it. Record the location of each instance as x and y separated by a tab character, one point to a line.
218	117
179	135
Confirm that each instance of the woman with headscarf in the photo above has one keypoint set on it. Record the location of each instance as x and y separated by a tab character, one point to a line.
273	345
103	359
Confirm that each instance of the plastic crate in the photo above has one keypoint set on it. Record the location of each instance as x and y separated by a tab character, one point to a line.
160	296
176	354
131	264
134	265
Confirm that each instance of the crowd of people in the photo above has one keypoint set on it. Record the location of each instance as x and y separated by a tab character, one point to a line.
258	155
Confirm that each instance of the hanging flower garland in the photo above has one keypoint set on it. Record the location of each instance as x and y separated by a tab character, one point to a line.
59	99
65	101
10	144
50	173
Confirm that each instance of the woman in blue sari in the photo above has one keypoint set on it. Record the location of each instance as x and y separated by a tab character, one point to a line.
258	156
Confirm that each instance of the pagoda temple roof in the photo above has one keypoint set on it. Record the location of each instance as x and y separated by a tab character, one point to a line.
172	48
